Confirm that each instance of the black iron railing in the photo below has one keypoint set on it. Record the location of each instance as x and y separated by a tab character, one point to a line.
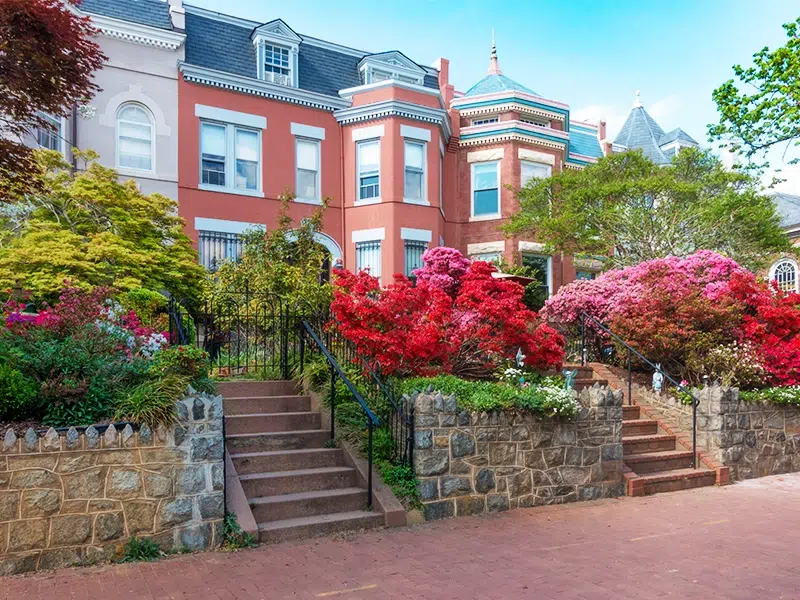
336	371
595	338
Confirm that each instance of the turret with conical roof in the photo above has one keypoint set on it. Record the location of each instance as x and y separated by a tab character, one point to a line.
495	81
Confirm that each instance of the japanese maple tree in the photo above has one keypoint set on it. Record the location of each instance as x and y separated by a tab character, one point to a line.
47	58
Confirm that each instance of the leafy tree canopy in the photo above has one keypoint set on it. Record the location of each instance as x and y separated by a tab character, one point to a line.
47	60
285	262
762	109
632	210
91	229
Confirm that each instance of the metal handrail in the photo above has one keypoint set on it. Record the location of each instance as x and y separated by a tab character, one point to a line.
336	371
630	352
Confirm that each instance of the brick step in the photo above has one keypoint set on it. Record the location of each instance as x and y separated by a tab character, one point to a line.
276	440
583	372
587	383
247	387
641	444
302	480
286	460
304	527
631	412
680	479
655	462
639	427
270	422
308	504
266	404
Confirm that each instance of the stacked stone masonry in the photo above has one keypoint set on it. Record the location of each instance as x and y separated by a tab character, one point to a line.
77	498
754	439
473	463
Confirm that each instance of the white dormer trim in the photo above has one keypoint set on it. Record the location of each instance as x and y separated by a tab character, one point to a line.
277	33
394	65
137	34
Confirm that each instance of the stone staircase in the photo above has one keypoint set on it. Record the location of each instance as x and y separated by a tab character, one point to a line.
295	486
654	459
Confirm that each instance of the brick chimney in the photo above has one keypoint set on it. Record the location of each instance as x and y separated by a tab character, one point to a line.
177	14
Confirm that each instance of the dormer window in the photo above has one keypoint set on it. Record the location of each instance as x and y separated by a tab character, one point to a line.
390	66
277	47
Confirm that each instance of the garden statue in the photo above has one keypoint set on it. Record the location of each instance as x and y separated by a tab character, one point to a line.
658	379
520	358
569	378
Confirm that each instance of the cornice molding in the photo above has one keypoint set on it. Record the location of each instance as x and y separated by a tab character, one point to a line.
511	136
516	126
508	96
257	87
395	108
348	93
136	33
511	106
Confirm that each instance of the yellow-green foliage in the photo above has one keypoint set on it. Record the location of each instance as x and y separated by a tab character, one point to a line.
94	230
284	262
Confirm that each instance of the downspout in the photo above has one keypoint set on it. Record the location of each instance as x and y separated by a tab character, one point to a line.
341	191
74	138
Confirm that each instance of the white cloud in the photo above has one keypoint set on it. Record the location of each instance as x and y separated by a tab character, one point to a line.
609	113
791	173
666	107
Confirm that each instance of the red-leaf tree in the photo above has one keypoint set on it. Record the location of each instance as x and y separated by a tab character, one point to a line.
422	330
47	57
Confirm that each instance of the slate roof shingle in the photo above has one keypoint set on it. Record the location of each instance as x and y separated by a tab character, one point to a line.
640	131
788	207
154	13
496	83
585	143
676	134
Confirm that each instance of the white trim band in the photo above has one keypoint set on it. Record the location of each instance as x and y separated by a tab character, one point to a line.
534	156
308	131
368	133
230	116
416	235
531	247
486	247
223	226
485	155
368	235
415	133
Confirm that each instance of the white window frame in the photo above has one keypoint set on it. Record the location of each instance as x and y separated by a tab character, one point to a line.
489	217
793	263
549	268
370	236
522	164
230	160
306	140
484	121
60	123
424	199
149	114
375	199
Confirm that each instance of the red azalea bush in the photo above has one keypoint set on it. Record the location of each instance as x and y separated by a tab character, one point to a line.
461	321
688	313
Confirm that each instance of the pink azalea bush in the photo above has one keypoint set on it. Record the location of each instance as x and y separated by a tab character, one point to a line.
443	269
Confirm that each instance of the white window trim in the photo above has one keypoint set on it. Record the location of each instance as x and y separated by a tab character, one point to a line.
261	38
499	212
424	200
416	235
536	156
318	199
61	133
367	133
229	117
377	199
368	235
415	133
224	226
533	162
133	170
549	270
308	131
230	161
486	247
484	121
792	262
441	179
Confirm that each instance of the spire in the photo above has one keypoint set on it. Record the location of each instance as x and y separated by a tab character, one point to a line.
494	67
637	103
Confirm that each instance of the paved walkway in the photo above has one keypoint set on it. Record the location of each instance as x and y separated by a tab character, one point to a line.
736	542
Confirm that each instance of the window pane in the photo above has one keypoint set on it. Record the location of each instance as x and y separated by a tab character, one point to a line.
414	155
135	114
368	157
413	185
487	257
213	171
585	275
306	184
414	251
486	202
212	140
215	247
534	171
786	276
246	175
307	153
247	145
368	256
134	130
369	187
485	176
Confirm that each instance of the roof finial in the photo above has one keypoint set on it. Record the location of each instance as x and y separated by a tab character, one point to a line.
494	67
637	103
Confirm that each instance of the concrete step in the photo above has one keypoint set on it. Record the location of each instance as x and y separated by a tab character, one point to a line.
587	383
641	444
655	462
680	479
266	422
257	485
286	460
631	412
247	387
304	527
639	427
266	404
276	440
308	504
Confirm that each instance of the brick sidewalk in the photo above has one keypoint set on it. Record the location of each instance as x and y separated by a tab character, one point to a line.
736	542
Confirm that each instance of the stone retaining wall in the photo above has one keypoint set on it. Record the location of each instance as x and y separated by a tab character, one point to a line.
475	463
754	439
77	498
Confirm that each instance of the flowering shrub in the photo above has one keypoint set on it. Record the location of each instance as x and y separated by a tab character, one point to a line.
462	321
733	364
443	269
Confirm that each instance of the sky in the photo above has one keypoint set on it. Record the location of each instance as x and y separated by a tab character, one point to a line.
591	54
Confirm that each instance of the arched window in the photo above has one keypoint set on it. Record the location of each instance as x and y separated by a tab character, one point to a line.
784	273
134	138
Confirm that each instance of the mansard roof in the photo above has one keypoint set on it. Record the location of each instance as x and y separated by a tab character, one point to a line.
679	135
153	13
788	207
224	44
641	131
